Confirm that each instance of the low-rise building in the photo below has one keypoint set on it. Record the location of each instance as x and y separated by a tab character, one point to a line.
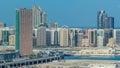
12	40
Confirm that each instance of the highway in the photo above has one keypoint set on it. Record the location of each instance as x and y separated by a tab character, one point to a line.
30	62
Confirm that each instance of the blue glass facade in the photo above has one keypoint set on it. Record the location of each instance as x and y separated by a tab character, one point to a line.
5	37
56	37
118	37
9	55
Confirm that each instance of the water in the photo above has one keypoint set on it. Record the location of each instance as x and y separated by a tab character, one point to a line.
92	58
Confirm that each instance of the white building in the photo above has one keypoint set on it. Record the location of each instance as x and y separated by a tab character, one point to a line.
100	37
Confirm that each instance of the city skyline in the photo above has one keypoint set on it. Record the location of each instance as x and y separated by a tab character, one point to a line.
79	13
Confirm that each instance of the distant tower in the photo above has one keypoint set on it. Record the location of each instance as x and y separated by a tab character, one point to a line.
109	24
101	19
39	17
36	16
44	19
24	31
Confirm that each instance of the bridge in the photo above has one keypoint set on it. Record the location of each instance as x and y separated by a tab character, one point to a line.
17	64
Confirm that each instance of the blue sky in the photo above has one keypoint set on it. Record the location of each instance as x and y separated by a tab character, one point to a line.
74	13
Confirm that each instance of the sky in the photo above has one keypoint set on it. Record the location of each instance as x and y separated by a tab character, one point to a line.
74	13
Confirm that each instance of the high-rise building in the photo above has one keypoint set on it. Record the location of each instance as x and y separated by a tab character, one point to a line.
76	37
79	39
100	38
36	16
44	19
56	41
34	41
92	37
5	36
108	33
100	41
52	36
71	38
34	37
48	37
101	19
39	17
63	37
41	37
109	23
24	31
117	36
54	25
12	40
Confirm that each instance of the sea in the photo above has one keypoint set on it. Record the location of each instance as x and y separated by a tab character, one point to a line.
92	58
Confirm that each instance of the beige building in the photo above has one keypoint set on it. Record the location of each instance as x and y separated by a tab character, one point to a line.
2	25
63	36
41	36
85	42
12	40
79	39
96	52
111	42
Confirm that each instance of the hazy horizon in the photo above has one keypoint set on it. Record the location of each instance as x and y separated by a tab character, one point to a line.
74	13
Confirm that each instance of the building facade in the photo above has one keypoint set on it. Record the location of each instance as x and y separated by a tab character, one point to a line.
36	16
41	36
117	36
12	40
103	21
100	38
48	37
24	31
92	36
63	37
5	36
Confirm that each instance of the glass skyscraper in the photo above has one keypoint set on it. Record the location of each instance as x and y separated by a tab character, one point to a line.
103	21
